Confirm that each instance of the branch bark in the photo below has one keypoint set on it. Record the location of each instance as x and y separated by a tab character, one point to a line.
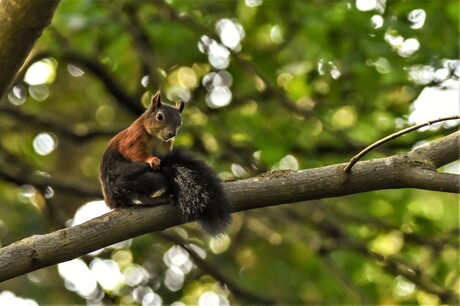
416	169
21	23
393	136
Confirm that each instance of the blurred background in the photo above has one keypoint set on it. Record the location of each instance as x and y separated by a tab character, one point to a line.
267	85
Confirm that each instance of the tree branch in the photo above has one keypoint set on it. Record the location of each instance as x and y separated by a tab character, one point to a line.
22	22
269	189
20	173
248	66
59	127
111	84
393	136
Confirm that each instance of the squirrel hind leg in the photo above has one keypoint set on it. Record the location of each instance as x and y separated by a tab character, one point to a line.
141	188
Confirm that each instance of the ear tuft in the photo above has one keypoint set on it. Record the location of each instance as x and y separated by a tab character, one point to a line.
155	103
180	106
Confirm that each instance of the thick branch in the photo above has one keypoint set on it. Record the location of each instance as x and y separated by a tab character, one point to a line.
21	23
440	152
270	189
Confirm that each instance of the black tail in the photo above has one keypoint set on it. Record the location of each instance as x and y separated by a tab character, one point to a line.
197	191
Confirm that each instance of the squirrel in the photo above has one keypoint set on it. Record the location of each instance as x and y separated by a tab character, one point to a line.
140	163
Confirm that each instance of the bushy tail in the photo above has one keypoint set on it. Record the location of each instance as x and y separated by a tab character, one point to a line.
197	191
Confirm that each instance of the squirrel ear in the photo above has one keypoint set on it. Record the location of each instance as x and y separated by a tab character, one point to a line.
156	102
180	106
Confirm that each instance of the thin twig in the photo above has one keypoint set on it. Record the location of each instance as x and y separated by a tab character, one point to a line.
358	156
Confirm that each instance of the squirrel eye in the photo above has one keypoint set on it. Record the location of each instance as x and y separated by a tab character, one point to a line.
160	116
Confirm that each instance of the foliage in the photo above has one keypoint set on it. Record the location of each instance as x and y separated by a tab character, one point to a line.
268	85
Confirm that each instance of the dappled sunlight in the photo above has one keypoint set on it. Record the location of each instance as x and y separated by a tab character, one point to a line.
403	287
294	86
417	18
231	33
44	143
328	68
366	5
41	72
377	21
75	71
238	171
78	278
388	244
218	84
17	95
211	298
253	3
11	299
89	211
433	103
108	274
146	296
344	117
219	245
409	47
288	162
218	55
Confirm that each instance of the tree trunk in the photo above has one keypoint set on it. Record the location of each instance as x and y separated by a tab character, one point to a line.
21	24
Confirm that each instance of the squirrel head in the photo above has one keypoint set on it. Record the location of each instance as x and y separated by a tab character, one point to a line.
162	120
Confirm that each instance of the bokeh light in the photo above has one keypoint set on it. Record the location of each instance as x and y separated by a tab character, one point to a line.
211	298
344	117
44	143
253	3
17	95
75	71
435	102
230	32
403	287
108	274
89	211
41	72
377	21
78	277
409	47
366	5
288	162
417	18
8	298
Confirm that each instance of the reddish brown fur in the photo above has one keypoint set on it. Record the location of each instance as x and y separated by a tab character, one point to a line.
135	144
149	138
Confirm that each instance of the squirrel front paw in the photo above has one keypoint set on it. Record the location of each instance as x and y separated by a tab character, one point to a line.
154	162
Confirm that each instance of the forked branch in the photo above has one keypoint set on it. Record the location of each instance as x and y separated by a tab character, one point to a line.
361	154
